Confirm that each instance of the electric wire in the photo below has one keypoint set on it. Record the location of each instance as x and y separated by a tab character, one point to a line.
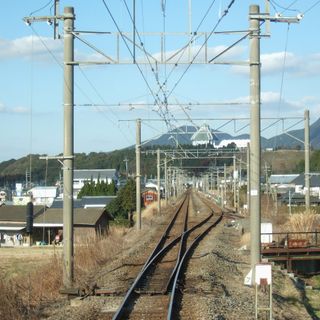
282	75
274	3
128	48
77	86
310	8
226	11
43	7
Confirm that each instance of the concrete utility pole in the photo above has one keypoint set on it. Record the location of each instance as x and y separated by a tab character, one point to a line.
234	183
224	185
165	181
307	158
68	153
158	180
255	151
138	174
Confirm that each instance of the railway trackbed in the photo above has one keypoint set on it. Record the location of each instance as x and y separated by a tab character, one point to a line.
155	293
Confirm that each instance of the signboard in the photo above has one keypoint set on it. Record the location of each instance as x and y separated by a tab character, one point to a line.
263	273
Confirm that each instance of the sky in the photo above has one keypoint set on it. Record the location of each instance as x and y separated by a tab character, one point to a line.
110	97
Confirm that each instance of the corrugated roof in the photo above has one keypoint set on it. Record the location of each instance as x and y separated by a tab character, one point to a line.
82	216
17	213
282	178
314	180
95	173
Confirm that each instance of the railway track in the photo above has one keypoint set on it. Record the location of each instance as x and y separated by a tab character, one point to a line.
155	291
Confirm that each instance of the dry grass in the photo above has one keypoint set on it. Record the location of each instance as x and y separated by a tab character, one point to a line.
23	296
96	251
301	222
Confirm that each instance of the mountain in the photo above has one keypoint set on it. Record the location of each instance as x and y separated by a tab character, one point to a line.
183	135
285	140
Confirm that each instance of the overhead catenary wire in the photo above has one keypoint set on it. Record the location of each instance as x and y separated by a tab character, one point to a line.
156	99
60	64
226	11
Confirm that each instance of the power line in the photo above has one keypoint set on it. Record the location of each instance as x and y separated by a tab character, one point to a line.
206	40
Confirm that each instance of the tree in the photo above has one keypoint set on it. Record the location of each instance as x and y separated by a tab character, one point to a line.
97	189
125	202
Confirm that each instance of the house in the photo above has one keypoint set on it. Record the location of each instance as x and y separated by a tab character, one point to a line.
13	222
43	195
282	182
86	222
299	182
80	177
85	202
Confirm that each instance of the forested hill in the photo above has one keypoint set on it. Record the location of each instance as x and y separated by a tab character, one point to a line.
42	171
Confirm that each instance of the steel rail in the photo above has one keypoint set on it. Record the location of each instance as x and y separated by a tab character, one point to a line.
118	315
166	232
178	273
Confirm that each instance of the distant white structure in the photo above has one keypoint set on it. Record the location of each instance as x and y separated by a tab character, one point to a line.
203	136
81	176
240	143
43	195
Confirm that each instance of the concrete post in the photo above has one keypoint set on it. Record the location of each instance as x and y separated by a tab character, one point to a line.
158	180
307	158
225	185
248	177
166	181
68	151
138	173
255	152
234	183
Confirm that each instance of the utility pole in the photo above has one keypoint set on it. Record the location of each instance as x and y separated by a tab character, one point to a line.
165	181
138	174
248	177
225	185
255	151
307	158
158	180
68	153
234	183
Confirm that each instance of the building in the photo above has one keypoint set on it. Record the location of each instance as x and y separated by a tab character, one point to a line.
13	222
300	187
80	177
203	136
86	222
282	182
43	195
239	143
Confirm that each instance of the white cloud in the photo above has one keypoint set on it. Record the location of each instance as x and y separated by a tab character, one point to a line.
273	63
15	110
28	47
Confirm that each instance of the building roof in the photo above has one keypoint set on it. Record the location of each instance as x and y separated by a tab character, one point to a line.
88	174
58	203
96	200
314	180
100	201
282	178
44	192
17	213
82	217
